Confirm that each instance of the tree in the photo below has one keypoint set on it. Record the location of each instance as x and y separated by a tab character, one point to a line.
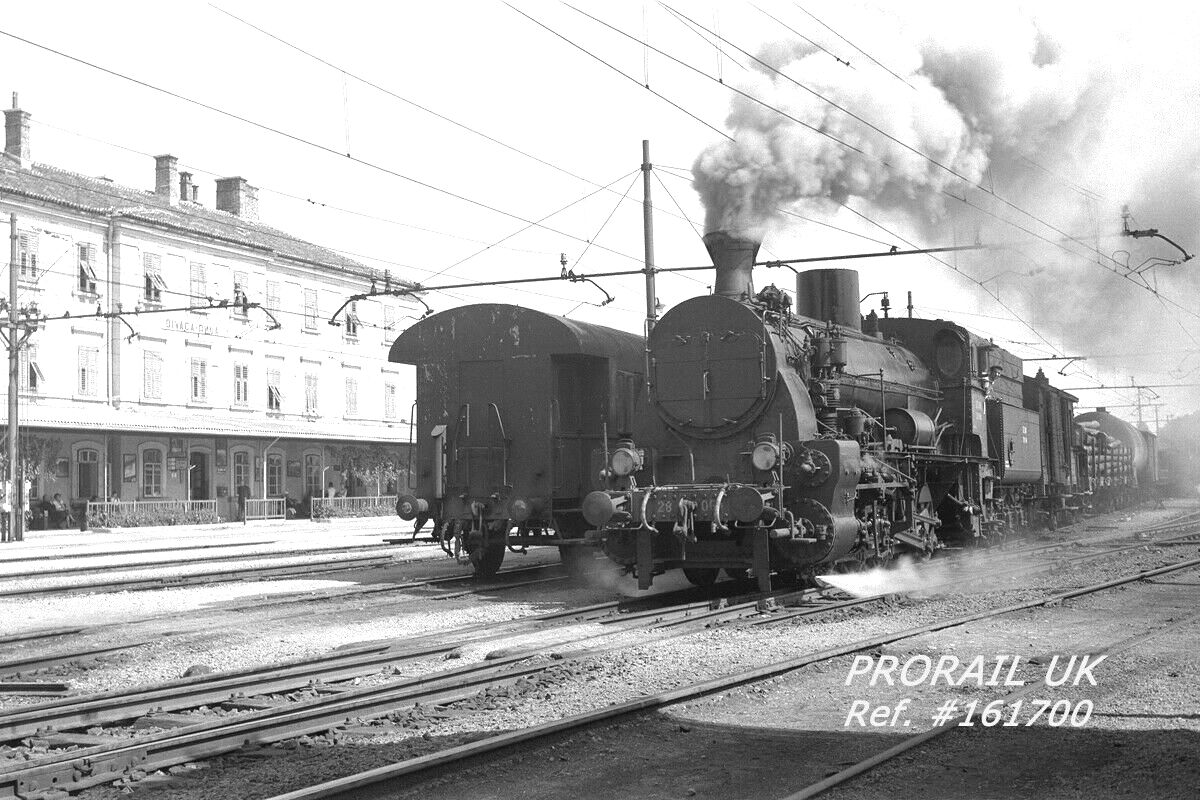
373	464
37	455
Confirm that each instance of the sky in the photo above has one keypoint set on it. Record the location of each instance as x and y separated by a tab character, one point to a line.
459	142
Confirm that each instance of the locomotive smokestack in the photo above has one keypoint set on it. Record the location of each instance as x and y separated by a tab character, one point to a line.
734	259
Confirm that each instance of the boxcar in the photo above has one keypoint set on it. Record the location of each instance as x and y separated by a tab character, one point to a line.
515	410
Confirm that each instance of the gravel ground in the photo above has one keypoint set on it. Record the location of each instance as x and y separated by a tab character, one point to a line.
573	685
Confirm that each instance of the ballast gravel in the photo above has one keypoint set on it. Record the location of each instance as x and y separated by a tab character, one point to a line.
569	685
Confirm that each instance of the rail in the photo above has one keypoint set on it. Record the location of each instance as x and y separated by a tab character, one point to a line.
382	505
266	508
135	513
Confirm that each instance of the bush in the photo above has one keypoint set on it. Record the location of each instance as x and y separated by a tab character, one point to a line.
131	516
362	507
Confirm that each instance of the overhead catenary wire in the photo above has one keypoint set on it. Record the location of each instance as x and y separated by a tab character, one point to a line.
872	126
408	101
852	148
795	32
299	139
1	31
803	124
519	231
856	47
240	226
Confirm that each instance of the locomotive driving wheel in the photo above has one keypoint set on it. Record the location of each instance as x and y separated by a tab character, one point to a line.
925	530
486	548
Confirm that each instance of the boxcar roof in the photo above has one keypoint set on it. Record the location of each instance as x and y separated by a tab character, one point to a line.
467	328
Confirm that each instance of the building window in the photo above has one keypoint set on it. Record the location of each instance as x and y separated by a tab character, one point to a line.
87	467
241	384
272	296
199	380
274	475
312	475
87	268
88	358
274	396
310	394
152	472
240	296
27	254
389	401
351	397
199	285
30	373
152	367
154	285
352	320
310	309
389	318
241	469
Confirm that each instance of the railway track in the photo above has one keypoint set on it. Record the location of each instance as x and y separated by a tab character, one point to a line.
326	706
23	667
361	785
375	549
868	764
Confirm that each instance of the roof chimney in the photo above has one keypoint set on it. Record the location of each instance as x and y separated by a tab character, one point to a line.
186	186
16	133
166	178
734	259
237	197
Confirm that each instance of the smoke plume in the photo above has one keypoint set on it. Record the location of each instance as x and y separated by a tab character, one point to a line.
1068	115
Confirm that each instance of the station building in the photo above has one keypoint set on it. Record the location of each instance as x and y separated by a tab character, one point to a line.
191	404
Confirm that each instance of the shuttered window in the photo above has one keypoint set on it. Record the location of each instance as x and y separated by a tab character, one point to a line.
241	384
154	283
310	309
199	284
27	254
272	296
31	374
310	394
240	293
389	401
87	267
351	397
152	369
89	357
274	396
199	380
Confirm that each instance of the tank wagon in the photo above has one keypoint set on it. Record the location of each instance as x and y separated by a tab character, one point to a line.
514	411
786	441
1118	460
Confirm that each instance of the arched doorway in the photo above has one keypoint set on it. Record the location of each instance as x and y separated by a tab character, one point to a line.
198	475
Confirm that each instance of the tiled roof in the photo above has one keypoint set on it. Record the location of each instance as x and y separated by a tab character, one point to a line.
102	196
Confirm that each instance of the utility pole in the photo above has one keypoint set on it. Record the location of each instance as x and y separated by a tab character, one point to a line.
648	224
16	514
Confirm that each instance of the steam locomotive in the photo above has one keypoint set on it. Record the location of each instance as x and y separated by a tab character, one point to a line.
744	434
